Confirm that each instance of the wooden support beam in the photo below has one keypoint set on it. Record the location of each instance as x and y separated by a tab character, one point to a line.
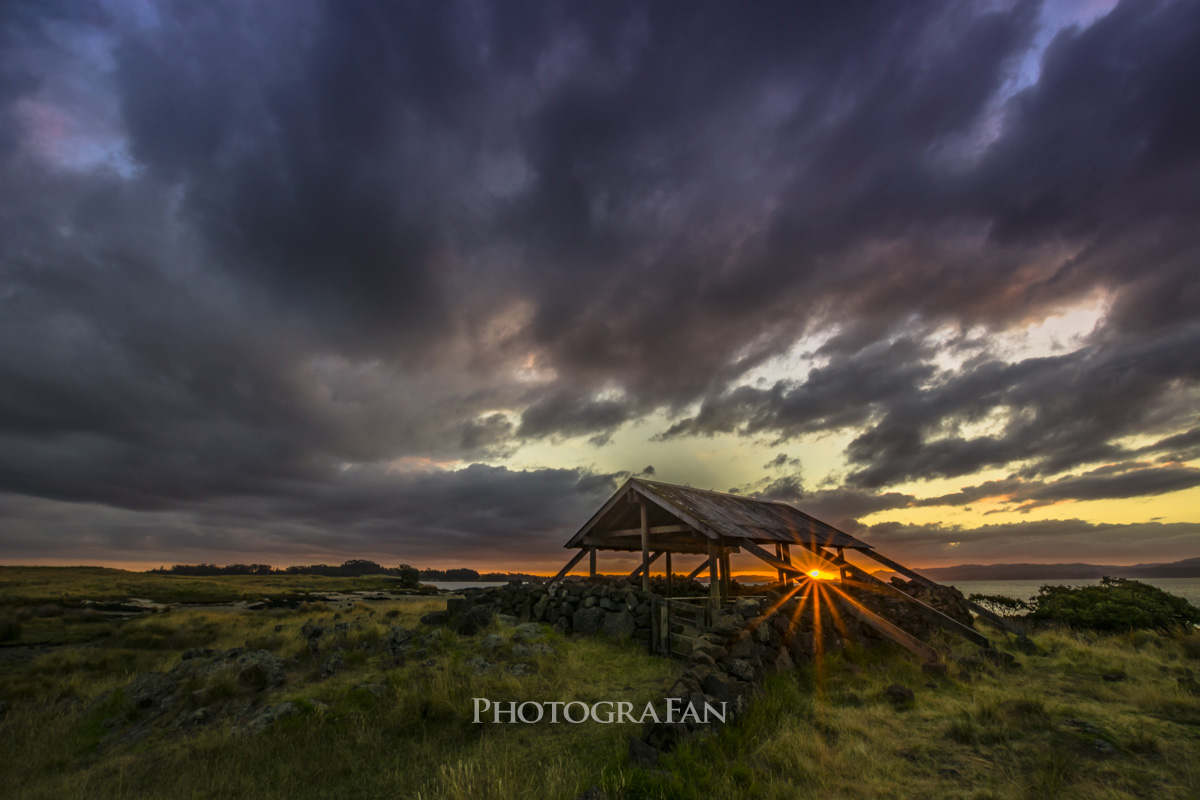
779	555
714	581
787	558
669	576
897	635
592	562
645	545
1007	625
633	544
563	572
953	625
782	566
638	572
692	575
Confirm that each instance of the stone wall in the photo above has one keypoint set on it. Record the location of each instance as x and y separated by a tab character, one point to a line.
748	639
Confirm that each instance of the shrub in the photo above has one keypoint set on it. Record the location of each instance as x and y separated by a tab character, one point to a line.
1117	604
999	604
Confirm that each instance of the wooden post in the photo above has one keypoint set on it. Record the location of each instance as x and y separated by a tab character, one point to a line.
592	564
787	559
841	553
645	547
726	578
779	555
668	573
714	582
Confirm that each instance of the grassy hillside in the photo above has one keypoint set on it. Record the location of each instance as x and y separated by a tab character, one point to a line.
1086	717
85	715
74	726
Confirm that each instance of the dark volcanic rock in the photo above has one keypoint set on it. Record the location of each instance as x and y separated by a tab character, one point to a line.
269	716
332	665
619	624
898	693
718	686
588	620
472	621
435	618
151	689
260	669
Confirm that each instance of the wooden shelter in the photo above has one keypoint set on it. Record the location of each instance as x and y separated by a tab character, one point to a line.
662	519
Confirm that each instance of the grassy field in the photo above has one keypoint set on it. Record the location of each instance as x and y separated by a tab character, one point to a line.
370	730
71	585
1085	716
1055	727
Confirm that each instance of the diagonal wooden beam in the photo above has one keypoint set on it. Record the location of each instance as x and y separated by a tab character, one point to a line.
897	635
838	563
946	621
921	579
583	551
782	566
692	575
638	572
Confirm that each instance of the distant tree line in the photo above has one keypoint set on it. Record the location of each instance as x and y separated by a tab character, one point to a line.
410	576
353	568
464	574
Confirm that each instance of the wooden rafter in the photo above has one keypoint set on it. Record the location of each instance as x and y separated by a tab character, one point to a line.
921	579
954	625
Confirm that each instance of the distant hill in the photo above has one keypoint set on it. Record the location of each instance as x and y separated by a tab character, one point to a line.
1187	568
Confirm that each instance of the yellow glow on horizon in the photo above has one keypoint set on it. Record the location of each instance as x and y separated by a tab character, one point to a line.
1167	508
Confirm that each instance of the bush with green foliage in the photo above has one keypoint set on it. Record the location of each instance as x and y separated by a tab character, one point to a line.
1000	604
1116	604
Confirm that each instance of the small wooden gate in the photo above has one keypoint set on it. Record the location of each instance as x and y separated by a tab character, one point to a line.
692	614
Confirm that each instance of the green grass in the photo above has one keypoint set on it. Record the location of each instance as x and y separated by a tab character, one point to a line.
71	585
1053	728
1087	716
59	739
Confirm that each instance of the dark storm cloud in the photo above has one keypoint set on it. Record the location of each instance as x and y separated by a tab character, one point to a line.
248	251
474	515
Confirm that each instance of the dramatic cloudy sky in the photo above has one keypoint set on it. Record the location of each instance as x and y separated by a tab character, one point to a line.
424	281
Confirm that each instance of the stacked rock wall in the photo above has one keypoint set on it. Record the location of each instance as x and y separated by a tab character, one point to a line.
749	638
